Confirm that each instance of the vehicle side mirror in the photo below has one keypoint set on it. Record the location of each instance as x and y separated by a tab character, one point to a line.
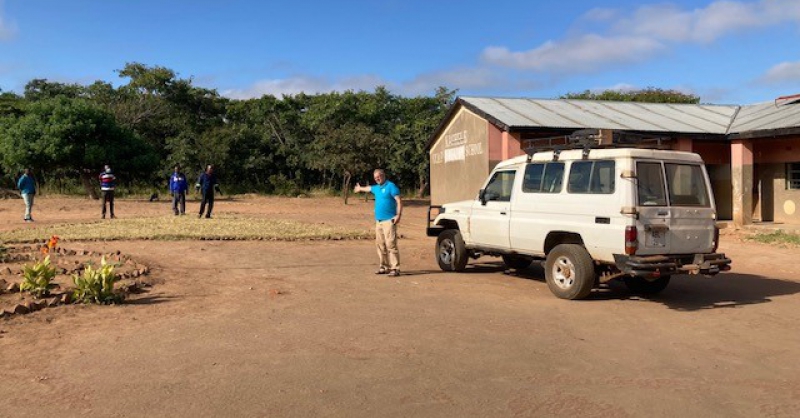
482	196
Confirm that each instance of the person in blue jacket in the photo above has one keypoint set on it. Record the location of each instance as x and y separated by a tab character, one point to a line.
177	188
207	184
27	188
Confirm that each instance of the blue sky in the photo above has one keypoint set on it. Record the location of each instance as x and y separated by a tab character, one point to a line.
728	52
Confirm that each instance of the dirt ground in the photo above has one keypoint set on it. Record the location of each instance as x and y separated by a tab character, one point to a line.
237	328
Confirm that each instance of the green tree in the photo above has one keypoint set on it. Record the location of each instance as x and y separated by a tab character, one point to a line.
72	135
348	149
647	95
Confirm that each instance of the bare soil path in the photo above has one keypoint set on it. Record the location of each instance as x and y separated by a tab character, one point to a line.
306	329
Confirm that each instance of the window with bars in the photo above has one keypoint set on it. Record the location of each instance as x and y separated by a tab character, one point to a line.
793	176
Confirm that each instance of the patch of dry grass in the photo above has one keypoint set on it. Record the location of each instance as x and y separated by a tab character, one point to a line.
187	228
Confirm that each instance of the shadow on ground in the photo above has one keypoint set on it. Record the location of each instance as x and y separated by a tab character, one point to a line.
684	293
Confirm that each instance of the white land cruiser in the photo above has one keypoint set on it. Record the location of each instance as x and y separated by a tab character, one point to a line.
593	215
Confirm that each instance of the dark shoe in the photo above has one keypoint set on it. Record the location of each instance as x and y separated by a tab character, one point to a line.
394	273
208	216
199	216
382	270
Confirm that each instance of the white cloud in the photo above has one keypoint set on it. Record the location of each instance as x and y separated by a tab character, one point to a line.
784	72
7	29
582	54
627	37
705	25
304	84
460	78
473	79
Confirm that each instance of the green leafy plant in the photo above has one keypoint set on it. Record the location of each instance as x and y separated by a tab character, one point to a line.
96	285
36	279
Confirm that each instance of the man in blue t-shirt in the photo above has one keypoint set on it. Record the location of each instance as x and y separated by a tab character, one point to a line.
388	210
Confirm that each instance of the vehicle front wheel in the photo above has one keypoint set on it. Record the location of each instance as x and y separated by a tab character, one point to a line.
644	287
569	271
517	262
451	252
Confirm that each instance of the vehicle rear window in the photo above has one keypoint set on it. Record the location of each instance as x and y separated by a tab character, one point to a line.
593	177
687	185
650	184
543	178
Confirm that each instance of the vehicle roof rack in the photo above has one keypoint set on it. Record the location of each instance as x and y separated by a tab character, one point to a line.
588	139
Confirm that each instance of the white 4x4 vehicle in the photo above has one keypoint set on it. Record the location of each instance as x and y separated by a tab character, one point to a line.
593	215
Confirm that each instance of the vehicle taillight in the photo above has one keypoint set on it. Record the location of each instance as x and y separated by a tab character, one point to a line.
716	239
631	241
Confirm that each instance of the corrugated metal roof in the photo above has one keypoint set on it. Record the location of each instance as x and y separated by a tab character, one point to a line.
630	116
766	116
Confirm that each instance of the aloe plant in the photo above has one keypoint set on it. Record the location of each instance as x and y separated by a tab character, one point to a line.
36	279
96	285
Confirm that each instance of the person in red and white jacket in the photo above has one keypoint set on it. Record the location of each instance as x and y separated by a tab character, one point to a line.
107	184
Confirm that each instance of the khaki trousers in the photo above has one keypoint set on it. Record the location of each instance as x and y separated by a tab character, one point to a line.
386	242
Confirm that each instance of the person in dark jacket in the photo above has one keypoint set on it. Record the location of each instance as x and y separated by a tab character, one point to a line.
108	182
207	184
27	188
177	187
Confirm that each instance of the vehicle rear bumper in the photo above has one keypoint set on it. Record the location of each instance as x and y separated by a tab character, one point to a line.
665	265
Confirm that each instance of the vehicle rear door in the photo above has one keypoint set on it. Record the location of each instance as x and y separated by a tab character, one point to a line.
676	213
692	215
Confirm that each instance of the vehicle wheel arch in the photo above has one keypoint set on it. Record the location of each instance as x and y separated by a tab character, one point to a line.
449	224
555	238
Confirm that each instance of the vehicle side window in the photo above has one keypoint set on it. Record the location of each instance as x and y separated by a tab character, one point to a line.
553	178
500	186
595	177
650	184
579	175
532	182
687	185
543	178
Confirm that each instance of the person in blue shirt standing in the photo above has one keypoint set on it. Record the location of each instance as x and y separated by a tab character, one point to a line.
388	210
207	184
27	188
178	187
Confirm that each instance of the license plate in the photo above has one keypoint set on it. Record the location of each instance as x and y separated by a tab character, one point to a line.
656	238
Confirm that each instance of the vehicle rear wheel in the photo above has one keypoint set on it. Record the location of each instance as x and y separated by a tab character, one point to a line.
569	271
451	252
642	286
517	262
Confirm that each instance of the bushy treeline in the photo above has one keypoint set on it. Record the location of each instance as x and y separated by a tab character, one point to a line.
156	119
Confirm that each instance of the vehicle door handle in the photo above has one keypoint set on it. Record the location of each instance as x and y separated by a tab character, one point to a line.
503	213
662	213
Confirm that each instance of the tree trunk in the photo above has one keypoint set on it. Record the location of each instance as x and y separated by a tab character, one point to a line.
346	191
423	185
86	179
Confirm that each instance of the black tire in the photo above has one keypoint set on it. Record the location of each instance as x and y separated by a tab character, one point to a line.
644	287
569	271
517	262
451	252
